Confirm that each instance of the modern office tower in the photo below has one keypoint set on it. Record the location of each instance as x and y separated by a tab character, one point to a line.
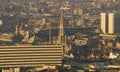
103	23
111	23
117	23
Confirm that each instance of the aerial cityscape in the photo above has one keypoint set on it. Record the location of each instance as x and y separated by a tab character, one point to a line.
59	35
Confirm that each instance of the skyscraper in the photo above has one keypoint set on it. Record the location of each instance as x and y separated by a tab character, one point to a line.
110	23
103	22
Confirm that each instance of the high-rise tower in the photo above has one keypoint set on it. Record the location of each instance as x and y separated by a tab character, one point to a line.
110	23
103	22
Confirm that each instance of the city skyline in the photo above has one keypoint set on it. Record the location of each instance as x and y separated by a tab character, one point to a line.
59	35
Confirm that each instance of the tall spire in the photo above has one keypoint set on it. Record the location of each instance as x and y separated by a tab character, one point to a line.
61	30
61	38
16	29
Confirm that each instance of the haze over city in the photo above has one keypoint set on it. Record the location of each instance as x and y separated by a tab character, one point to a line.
59	35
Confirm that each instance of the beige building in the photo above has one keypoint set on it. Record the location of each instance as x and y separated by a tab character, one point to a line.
117	45
110	23
0	22
103	22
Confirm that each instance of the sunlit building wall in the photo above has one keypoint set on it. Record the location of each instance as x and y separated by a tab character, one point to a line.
0	22
111	23
103	23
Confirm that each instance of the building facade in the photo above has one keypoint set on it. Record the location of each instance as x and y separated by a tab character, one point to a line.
110	23
0	22
103	23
